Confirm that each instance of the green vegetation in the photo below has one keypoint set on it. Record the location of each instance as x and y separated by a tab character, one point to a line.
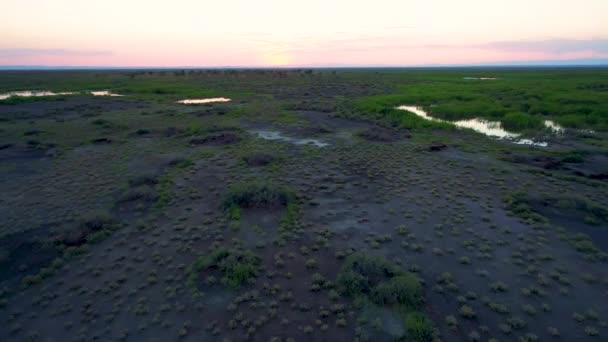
518	122
377	280
577	100
280	236
382	109
16	100
253	194
235	267
91	228
589	212
519	205
419	328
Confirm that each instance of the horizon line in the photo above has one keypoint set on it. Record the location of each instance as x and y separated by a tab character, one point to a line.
229	67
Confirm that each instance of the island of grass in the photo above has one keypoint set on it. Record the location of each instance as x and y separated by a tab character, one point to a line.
232	268
374	279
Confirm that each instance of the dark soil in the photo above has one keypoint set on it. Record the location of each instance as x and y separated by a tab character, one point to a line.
381	134
443	217
70	107
222	138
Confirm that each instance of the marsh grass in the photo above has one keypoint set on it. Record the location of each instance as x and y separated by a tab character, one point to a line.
375	279
532	97
522	204
258	194
235	267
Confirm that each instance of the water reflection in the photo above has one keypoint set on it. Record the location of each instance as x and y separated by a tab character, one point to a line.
207	100
103	93
553	126
275	135
34	93
489	128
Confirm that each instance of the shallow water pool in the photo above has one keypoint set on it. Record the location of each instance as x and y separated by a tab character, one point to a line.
276	135
203	101
489	128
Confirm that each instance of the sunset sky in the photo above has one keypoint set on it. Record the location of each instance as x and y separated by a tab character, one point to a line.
299	33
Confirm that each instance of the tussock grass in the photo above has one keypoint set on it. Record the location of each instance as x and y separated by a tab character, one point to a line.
236	267
375	279
258	194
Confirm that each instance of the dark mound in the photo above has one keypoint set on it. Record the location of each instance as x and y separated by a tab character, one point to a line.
592	166
101	141
249	195
438	147
258	159
79	234
544	162
224	138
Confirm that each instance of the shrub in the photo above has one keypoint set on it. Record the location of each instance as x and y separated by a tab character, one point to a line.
234	212
419	327
404	289
257	194
236	267
361	273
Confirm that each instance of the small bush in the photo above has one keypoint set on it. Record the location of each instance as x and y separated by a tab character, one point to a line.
404	289
381	282
234	212
360	274
236	267
91	228
419	328
256	194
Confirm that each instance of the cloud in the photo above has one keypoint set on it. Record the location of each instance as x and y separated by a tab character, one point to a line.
556	46
35	52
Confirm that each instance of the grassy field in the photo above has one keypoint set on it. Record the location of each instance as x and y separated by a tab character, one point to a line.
306	208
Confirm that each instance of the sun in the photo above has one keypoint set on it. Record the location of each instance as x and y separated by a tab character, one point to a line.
278	59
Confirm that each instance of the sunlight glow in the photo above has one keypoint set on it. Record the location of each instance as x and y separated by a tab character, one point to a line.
294	33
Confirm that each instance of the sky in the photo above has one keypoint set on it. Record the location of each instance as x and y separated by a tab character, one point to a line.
271	33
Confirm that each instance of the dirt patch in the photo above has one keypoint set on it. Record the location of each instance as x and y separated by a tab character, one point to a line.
68	107
593	166
381	134
220	138
544	162
214	110
79	233
316	129
23	254
14	153
331	122
259	159
171	132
